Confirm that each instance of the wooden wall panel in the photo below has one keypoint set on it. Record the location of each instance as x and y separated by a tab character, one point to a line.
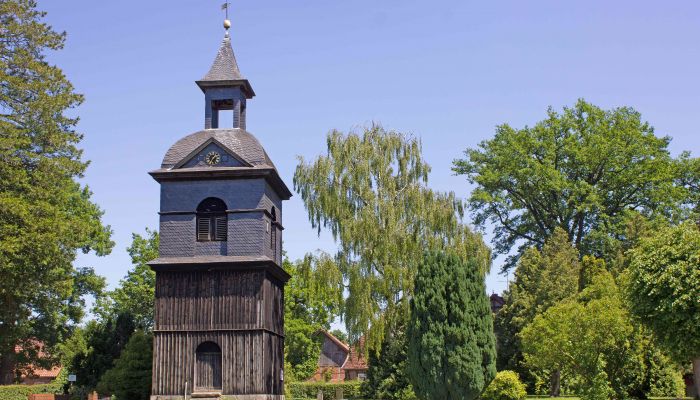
203	300
251	361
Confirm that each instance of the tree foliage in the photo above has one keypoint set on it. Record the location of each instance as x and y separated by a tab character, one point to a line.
505	386
46	216
387	377
543	278
598	348
663	289
102	343
580	170
135	294
451	347
130	378
370	190
312	299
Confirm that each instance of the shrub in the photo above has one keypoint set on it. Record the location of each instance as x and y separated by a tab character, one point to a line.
21	392
505	386
308	390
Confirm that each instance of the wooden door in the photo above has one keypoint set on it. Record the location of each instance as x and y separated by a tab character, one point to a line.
208	367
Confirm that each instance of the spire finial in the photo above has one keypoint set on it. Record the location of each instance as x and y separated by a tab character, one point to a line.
227	22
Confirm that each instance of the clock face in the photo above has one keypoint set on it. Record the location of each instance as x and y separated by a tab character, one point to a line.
212	158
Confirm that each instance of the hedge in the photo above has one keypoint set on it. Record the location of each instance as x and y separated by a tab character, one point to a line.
308	390
21	392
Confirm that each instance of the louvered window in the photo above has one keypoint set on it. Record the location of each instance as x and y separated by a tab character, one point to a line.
220	223
211	220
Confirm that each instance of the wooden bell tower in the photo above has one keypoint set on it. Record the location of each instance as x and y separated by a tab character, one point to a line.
219	298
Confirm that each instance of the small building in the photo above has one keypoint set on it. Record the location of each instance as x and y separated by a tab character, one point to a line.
33	374
338	361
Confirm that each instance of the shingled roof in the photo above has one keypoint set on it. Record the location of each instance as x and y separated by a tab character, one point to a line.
240	142
225	67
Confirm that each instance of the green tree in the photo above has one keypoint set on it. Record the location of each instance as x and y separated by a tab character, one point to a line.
103	343
598	347
136	292
690	179
575	337
451	347
543	278
130	378
387	377
663	288
313	297
340	335
46	216
371	191
580	170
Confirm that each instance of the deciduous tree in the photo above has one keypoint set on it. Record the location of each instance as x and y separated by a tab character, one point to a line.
135	294
313	297
664	290
579	170
543	278
46	215
370	190
599	349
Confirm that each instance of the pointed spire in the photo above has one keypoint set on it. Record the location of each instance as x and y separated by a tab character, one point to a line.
224	71
225	67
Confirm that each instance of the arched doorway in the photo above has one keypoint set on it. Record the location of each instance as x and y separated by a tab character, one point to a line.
207	371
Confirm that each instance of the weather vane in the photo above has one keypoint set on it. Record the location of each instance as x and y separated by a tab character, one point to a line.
227	22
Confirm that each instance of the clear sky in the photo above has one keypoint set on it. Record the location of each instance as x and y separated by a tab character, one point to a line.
446	71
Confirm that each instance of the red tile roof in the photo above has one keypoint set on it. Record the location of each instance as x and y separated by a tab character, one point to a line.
32	371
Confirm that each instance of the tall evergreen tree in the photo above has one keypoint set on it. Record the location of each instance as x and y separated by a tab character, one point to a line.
451	346
104	342
387	377
46	216
130	378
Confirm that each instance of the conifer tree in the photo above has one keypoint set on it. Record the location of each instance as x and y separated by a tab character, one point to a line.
451	346
46	215
130	378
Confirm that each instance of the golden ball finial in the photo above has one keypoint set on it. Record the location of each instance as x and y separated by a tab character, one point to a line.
227	24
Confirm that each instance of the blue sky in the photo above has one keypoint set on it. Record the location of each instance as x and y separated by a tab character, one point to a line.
445	71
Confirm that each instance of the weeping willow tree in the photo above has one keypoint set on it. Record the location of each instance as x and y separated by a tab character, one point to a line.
371	191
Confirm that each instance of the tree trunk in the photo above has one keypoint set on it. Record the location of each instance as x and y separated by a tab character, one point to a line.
696	376
555	384
7	369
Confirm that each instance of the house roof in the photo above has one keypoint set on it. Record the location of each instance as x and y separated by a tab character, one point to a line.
335	340
237	141
356	359
33	371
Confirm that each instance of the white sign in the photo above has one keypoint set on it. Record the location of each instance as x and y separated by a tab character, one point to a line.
72	378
